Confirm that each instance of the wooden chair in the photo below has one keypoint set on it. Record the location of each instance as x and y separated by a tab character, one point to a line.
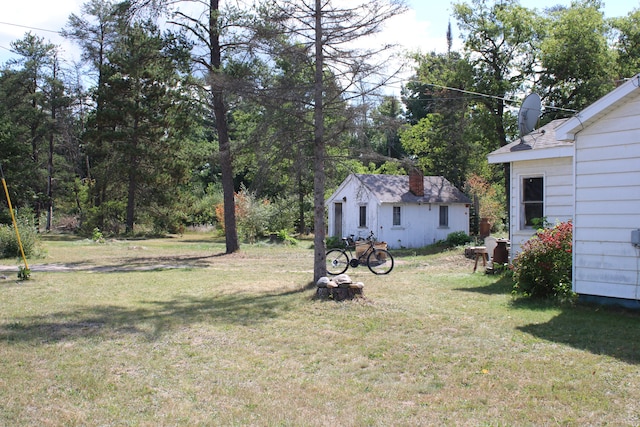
490	243
480	252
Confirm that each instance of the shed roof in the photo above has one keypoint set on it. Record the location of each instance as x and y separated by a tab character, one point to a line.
395	189
539	144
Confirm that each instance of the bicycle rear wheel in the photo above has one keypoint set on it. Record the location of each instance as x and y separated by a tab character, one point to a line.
337	262
380	261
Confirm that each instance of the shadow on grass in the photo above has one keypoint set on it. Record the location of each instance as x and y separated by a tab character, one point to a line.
425	250
131	264
605	330
59	237
150	320
501	286
599	330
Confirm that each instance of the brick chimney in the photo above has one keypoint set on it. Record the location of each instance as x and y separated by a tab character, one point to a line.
416	182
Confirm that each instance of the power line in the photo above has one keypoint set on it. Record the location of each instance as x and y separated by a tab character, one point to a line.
30	28
495	97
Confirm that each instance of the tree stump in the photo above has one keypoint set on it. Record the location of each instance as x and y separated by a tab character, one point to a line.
322	293
356	290
344	290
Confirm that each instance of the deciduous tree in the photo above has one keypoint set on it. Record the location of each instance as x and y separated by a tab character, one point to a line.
627	44
577	63
331	32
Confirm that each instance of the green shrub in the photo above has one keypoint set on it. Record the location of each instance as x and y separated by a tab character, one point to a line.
283	213
284	237
334	242
23	273
543	268
252	215
9	247
201	208
97	235
457	238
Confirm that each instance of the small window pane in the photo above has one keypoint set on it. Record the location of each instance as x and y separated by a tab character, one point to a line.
532	189
363	216
444	216
533	211
396	215
532	199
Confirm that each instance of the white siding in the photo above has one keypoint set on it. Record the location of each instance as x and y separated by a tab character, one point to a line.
608	205
419	223
352	195
558	194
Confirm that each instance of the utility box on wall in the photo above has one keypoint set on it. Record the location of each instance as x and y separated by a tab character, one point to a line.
635	237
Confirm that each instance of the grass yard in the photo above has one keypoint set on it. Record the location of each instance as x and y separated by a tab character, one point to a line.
171	332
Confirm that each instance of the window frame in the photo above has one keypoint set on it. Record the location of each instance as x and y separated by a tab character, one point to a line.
443	216
534	205
362	219
396	220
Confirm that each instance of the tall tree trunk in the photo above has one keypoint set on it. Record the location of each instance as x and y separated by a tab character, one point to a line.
319	261
301	223
35	152
220	113
133	182
54	105
50	177
133	173
131	199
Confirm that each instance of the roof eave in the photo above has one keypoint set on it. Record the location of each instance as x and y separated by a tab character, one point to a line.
568	130
524	155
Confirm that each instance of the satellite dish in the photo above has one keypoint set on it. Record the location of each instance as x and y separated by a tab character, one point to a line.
529	114
527	119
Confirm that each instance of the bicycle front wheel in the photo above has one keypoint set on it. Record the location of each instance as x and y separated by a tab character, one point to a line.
337	262
380	261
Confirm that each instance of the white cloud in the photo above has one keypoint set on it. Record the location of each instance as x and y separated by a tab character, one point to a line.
41	14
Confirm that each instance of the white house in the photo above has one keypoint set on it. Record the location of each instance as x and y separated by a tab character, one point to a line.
541	181
599	151
606	138
404	211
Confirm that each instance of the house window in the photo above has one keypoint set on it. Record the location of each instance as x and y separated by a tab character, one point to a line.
396	216
363	216
444	216
532	200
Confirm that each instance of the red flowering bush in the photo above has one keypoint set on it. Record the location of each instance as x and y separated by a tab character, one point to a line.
543	268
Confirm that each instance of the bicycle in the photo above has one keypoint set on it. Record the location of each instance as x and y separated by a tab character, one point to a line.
379	261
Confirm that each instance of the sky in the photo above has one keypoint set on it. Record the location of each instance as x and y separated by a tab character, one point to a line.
423	28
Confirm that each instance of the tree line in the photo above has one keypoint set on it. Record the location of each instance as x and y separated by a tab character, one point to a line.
181	108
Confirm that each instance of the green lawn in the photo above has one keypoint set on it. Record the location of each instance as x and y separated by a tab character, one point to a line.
172	332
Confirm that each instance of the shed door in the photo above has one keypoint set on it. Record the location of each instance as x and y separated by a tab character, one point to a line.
337	219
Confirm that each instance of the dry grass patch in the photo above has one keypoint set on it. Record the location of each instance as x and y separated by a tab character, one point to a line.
208	339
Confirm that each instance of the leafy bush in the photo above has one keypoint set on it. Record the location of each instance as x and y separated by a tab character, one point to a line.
334	242
284	237
283	214
9	247
108	217
543	268
201	208
457	238
97	235
252	215
257	218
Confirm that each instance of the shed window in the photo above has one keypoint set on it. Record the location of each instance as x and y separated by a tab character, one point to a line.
444	216
363	216
397	219
532	200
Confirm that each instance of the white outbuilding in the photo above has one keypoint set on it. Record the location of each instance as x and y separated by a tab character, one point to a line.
403	211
